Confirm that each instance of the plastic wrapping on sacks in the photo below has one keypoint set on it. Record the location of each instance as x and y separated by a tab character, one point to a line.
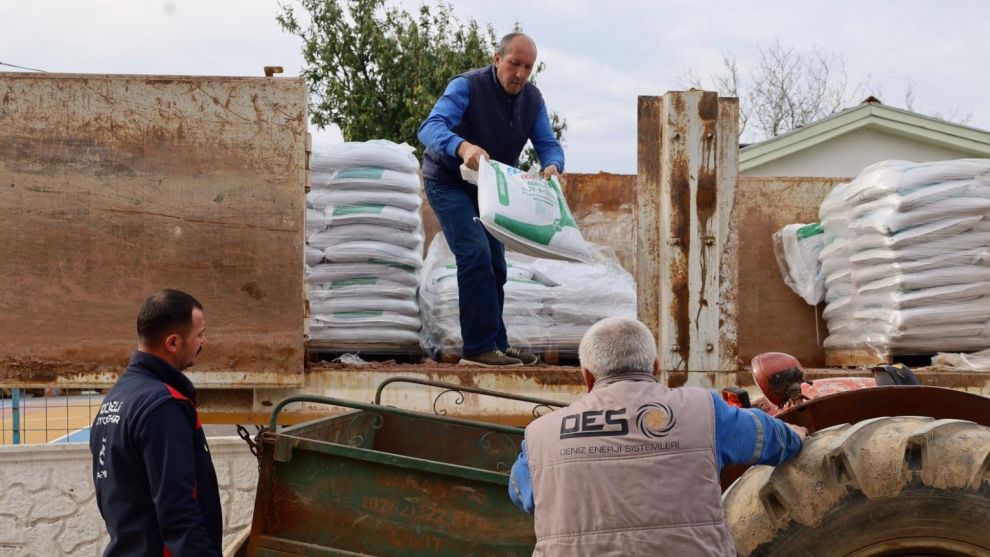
316	220
906	259
549	304
314	256
796	247
369	318
367	230
951	233
358	336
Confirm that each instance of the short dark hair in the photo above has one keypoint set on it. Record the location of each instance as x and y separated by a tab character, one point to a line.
507	40
165	312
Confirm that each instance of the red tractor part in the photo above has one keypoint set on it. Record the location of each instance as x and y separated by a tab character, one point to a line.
780	377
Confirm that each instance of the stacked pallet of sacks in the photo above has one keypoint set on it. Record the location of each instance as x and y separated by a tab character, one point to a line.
364	237
549	304
906	258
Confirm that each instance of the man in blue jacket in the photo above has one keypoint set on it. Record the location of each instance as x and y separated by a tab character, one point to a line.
155	483
491	112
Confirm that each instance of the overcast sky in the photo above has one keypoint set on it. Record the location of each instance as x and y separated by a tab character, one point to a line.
599	59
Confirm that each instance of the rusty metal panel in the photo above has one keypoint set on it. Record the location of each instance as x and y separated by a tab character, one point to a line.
604	206
727	244
685	204
704	259
116	186
675	232
648	196
771	316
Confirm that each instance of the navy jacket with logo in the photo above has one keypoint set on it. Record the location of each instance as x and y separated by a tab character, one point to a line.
155	483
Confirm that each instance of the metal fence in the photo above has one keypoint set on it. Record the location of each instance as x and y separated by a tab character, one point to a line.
32	416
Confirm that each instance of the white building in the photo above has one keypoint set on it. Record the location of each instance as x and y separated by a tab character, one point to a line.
848	141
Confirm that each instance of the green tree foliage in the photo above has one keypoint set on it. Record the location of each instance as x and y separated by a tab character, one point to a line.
375	71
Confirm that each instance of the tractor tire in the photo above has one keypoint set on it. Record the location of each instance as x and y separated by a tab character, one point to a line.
904	485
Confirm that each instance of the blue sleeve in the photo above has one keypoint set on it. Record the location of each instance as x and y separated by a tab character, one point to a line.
750	436
167	446
547	147
520	483
435	132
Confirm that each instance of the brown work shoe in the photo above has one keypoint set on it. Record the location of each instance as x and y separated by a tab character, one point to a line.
524	356
495	358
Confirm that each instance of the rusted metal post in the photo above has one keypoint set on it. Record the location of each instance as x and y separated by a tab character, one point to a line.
647	206
687	173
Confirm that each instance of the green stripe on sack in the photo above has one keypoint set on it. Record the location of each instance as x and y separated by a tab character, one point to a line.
366	173
366	209
357	314
352	282
566	218
390	264
809	230
541	234
501	186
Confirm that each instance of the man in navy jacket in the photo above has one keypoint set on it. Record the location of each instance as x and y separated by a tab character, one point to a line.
491	112
155	483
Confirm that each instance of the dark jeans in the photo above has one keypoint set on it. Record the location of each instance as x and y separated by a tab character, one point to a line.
481	269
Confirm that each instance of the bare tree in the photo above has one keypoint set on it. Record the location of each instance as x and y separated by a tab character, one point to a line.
785	90
788	89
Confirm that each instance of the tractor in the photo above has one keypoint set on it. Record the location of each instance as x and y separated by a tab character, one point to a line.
890	468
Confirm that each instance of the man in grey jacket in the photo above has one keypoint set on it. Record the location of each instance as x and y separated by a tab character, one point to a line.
632	467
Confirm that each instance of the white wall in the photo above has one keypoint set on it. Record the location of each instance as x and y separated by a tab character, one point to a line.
48	504
848	154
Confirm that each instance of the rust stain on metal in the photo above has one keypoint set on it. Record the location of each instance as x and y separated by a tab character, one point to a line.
680	232
648	188
253	290
601	192
676	379
706	204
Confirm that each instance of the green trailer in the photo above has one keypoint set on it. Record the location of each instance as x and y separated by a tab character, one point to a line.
383	481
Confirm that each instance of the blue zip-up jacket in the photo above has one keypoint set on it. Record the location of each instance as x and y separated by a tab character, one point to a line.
155	483
742	436
476	108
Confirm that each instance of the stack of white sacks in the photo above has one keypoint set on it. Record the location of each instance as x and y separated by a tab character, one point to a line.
906	260
364	244
549	304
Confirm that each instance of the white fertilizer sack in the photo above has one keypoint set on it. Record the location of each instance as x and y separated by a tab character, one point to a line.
367	178
358	154
796	247
527	213
356	252
343	198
